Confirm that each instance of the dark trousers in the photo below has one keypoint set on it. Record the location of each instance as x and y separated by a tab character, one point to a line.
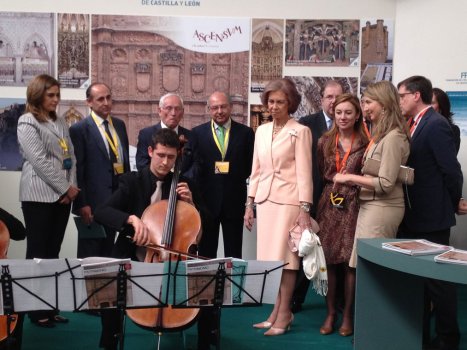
97	246
232	233
45	228
443	296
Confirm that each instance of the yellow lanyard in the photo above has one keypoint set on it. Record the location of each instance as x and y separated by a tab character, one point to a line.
223	150
113	142
63	145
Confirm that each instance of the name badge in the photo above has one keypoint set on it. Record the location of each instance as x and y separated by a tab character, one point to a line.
118	168
67	162
221	168
337	200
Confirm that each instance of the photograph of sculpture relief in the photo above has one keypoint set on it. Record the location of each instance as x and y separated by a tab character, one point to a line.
267	52
73	49
143	58
310	88
322	42
26	47
377	51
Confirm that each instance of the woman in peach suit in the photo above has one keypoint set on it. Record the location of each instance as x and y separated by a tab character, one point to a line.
281	186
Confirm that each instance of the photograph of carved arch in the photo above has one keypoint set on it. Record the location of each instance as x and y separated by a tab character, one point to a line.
310	88
267	52
73	49
322	42
142	58
26	47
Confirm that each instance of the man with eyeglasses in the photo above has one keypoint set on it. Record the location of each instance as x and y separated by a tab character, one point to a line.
318	123
432	201
219	156
171	113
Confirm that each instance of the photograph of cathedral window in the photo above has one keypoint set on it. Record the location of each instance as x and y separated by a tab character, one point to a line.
73	49
26	47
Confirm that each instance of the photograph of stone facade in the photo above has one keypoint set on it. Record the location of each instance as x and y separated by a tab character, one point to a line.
26	47
377	51
73	49
259	115
310	89
322	42
140	64
267	52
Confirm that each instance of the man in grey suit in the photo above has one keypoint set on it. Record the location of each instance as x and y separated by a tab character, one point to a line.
101	149
171	113
318	123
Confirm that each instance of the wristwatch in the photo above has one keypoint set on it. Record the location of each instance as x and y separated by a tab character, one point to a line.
306	207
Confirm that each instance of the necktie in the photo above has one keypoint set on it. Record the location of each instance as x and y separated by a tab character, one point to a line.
157	195
329	122
221	136
112	156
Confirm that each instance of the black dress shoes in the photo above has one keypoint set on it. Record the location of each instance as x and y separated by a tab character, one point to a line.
60	319
44	323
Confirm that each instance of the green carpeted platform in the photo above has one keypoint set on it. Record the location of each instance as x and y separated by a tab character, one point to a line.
83	331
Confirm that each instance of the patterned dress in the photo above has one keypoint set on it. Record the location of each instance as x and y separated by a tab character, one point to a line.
337	225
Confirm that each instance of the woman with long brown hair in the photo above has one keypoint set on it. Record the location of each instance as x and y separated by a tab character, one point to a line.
340	150
381	197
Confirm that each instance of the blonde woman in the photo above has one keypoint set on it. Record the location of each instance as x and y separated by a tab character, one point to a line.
381	197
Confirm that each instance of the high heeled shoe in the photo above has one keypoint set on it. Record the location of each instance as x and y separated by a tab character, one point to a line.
325	330
345	332
273	331
263	325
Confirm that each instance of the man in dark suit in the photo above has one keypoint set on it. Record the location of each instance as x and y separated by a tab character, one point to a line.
219	156
171	113
220	153
433	199
123	210
318	123
101	150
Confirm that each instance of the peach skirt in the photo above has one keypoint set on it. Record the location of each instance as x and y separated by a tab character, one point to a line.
273	224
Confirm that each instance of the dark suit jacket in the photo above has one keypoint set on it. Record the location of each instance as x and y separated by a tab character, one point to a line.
132	197
221	192
93	167
144	141
317	123
437	188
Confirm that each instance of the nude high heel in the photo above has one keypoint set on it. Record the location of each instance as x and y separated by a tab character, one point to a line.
262	325
273	331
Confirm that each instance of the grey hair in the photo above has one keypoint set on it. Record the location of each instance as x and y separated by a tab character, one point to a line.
170	94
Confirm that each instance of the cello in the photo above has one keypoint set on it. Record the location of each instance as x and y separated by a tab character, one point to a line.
173	226
4	243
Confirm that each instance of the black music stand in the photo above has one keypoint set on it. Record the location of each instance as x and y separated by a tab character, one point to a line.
217	281
110	290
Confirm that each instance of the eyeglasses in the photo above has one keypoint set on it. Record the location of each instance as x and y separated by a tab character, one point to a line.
402	95
215	108
170	108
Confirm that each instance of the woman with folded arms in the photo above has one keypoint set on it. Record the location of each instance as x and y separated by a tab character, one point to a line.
48	177
340	151
381	197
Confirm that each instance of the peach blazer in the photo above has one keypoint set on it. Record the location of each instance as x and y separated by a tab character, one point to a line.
281	170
